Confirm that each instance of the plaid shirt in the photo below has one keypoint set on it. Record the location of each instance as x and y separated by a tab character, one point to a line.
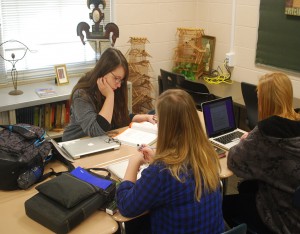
171	203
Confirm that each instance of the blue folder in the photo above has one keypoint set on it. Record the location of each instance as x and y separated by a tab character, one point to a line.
86	176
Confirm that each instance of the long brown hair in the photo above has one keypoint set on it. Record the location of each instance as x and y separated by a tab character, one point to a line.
275	96
110	59
182	144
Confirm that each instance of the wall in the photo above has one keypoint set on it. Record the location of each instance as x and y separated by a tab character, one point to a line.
215	17
158	20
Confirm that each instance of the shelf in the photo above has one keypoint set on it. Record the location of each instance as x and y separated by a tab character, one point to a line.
30	98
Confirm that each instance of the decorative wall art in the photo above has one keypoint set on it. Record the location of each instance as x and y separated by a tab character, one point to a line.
208	44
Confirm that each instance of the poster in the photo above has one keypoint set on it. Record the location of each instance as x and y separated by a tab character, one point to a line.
292	7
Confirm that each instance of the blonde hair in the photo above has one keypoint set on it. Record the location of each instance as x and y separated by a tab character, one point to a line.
182	144
275	97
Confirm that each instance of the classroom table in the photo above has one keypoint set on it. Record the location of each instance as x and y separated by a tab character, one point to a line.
14	219
233	89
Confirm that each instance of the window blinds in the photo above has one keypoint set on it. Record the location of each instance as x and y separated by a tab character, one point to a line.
48	29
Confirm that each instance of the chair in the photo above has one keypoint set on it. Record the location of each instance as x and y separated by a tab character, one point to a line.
250	99
240	229
168	80
198	91
296	198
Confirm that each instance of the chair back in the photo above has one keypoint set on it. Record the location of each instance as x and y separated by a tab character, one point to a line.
296	198
250	99
198	91
168	80
240	229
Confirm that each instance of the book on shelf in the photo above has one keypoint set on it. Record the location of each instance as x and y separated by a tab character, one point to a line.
46	92
138	133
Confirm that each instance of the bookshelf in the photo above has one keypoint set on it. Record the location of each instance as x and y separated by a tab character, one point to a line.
29	98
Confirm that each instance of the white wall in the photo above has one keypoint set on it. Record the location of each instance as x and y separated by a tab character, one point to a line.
158	20
215	17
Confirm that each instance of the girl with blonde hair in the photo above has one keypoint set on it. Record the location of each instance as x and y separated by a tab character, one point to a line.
181	186
269	157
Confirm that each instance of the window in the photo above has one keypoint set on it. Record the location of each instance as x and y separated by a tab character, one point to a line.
48	29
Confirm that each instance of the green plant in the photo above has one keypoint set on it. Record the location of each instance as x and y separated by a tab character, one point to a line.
186	69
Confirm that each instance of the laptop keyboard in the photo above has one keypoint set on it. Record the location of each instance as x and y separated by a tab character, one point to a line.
229	137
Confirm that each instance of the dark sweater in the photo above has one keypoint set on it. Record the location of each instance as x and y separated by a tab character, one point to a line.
271	155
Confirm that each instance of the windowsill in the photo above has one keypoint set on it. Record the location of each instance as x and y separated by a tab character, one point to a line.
29	96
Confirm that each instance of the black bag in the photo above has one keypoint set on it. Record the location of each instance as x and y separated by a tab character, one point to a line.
23	154
65	201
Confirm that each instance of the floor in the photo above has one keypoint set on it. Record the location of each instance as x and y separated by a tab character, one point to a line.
231	186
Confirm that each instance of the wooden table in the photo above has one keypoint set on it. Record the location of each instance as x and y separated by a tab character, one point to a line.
14	219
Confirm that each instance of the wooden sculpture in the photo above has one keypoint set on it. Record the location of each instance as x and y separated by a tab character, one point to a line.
139	68
189	53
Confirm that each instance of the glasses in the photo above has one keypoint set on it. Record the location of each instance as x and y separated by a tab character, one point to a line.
111	140
117	80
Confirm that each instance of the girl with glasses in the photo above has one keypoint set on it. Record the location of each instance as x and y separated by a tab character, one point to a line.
99	101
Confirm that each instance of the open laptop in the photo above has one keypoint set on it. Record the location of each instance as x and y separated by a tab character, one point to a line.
220	123
82	147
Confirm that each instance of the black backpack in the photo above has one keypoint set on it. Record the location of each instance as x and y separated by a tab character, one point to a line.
24	152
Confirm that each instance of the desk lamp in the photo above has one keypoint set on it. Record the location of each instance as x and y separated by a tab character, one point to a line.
13	60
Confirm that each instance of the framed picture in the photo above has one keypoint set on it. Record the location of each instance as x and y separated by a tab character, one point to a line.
61	74
208	43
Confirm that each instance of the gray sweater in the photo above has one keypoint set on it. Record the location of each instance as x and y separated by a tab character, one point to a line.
83	119
271	155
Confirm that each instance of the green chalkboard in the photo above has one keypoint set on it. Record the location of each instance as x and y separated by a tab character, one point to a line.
278	43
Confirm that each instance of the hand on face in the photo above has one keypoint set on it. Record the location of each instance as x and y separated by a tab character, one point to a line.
104	87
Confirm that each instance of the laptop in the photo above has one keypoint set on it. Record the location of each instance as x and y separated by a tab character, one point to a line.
220	123
86	146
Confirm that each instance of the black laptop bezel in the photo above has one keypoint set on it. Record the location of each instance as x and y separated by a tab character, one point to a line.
219	133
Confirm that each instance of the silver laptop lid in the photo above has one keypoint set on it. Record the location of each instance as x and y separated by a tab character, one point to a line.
81	147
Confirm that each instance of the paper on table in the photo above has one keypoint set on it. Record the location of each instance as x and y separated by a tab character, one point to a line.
119	169
139	133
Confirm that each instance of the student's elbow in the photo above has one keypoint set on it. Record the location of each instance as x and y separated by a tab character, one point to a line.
125	209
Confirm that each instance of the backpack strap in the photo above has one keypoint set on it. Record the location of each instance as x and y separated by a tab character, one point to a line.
60	156
22	130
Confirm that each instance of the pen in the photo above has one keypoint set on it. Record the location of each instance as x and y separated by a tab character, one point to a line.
141	147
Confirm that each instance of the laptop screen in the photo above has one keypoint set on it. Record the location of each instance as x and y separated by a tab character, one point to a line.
218	116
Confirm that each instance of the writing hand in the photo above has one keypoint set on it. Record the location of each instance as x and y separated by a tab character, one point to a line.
147	152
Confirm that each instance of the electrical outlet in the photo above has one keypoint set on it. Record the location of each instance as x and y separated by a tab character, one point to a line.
230	59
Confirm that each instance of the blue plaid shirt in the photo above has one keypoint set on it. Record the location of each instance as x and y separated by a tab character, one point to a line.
173	208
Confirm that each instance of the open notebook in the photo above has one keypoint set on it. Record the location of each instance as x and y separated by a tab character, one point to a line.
220	124
138	133
119	169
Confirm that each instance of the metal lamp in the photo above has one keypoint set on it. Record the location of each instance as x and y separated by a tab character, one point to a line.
13	60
